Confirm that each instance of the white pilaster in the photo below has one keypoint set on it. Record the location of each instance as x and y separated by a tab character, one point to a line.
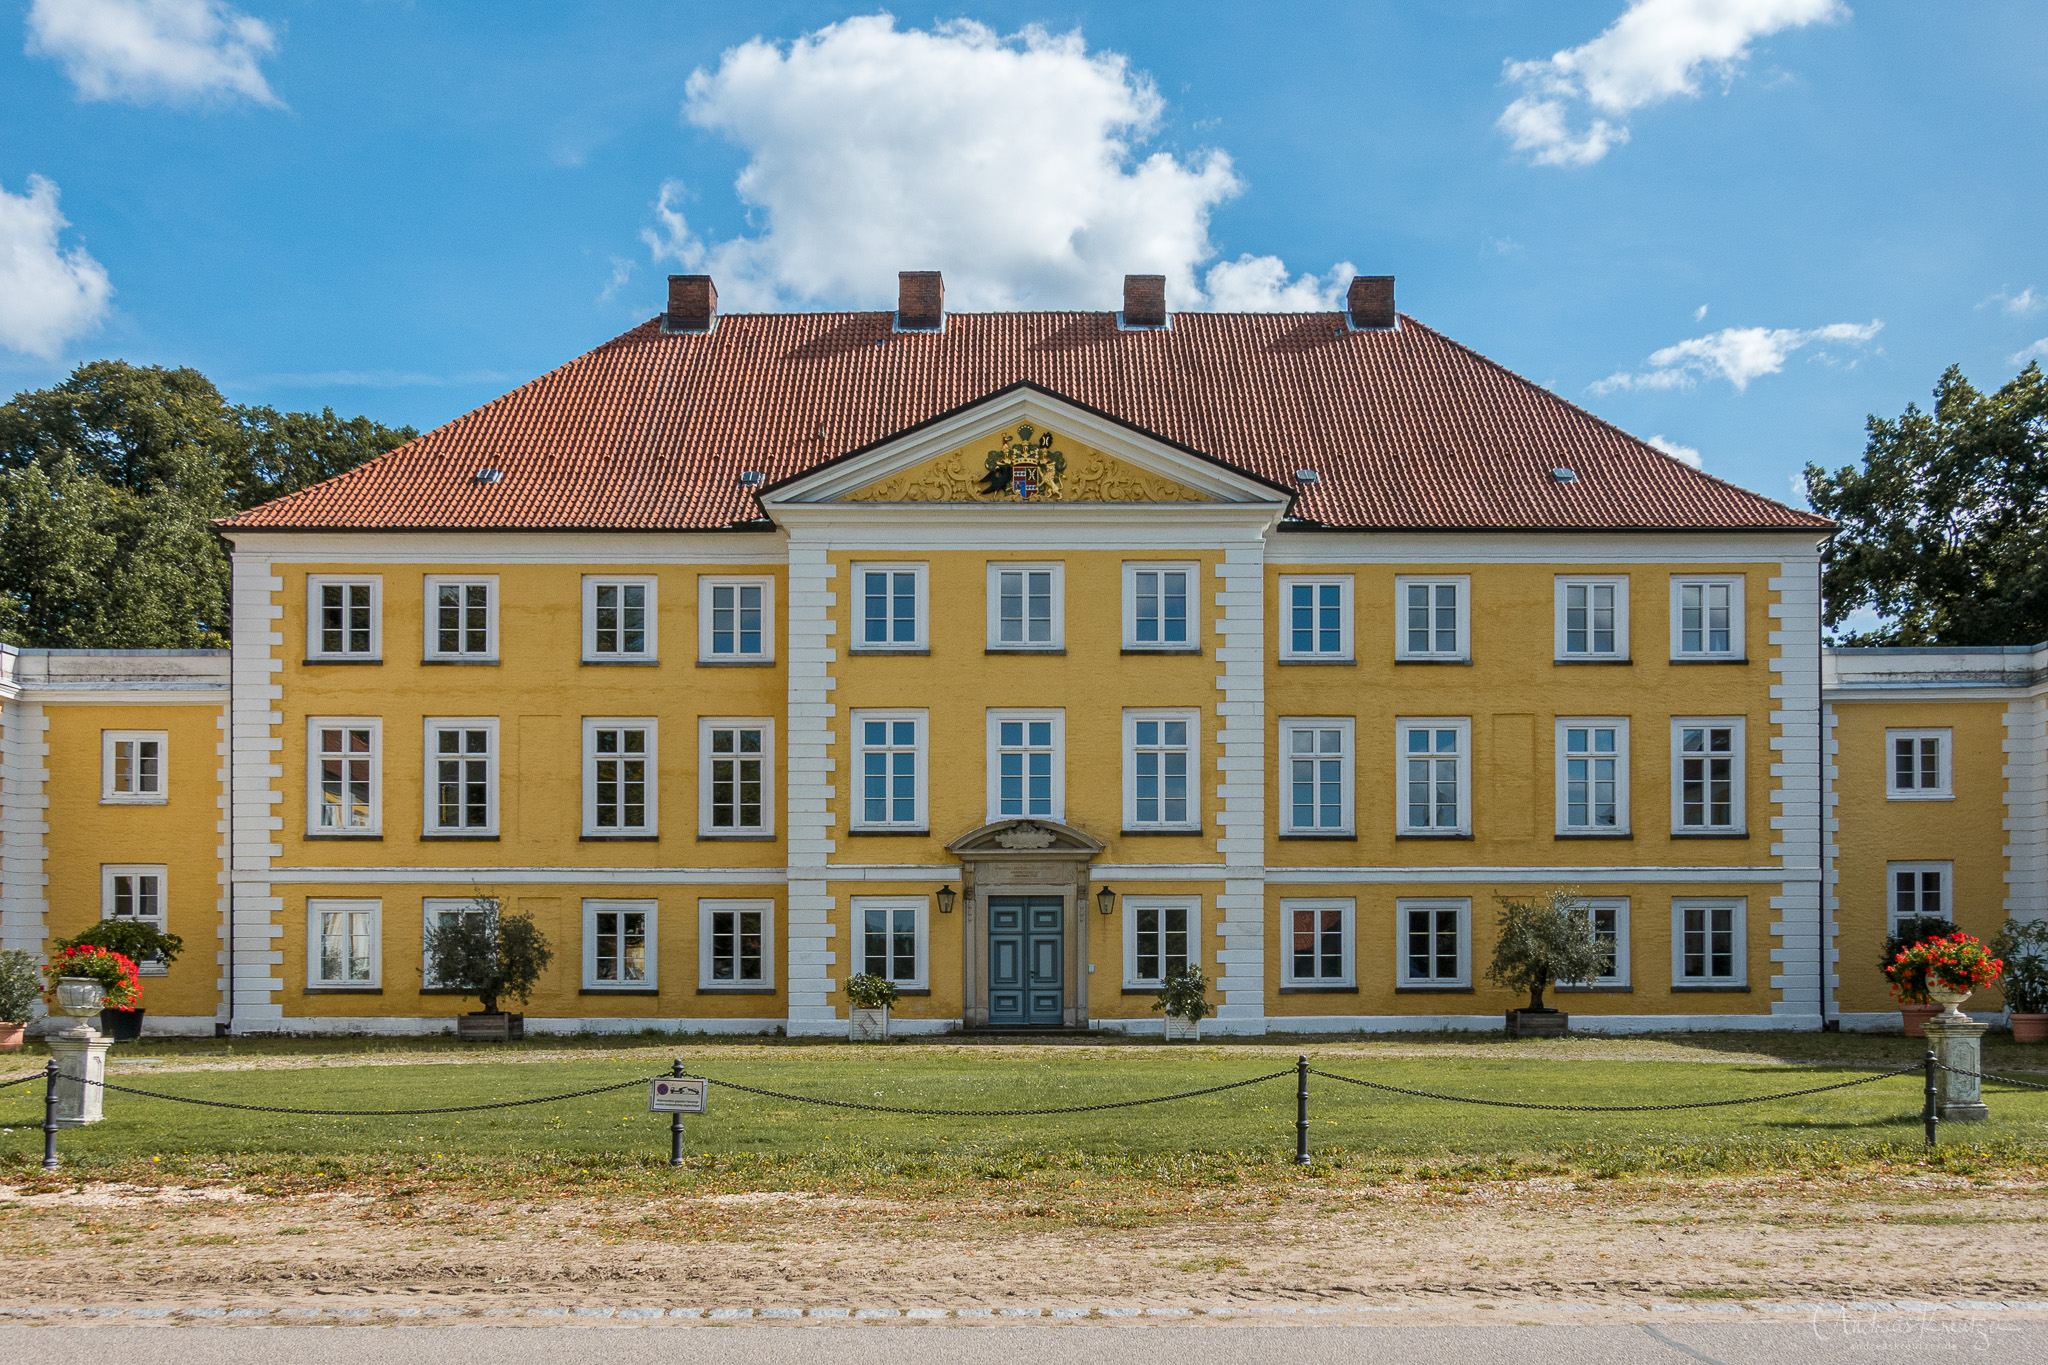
24	823
1831	876
809	819
256	772
2026	807
1241	788
1796	791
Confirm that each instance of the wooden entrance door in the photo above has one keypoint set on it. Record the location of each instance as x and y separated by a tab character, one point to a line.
1026	957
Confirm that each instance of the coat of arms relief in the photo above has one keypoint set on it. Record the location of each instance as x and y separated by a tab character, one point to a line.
1026	463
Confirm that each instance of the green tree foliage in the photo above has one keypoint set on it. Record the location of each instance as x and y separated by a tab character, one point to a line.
1545	939
489	953
1943	531
109	485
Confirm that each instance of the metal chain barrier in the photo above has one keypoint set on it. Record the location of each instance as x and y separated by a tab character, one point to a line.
1616	1108
994	1113
22	1080
1987	1076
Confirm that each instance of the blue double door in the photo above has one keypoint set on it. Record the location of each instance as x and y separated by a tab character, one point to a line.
1026	960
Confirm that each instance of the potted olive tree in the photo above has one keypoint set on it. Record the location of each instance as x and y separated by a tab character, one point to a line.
1184	1002
491	955
21	983
868	998
2023	944
1912	930
1544	940
148	947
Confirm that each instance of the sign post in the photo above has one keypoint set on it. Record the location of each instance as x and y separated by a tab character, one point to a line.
677	1096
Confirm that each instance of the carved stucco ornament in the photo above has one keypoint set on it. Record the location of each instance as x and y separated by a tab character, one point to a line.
1026	837
1085	475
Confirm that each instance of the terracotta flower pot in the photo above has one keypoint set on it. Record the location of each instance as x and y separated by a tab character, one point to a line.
1914	1016
2026	1028
11	1035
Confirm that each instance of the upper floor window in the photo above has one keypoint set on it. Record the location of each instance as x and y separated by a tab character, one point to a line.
1026	764
1592	620
1316	767
891	599
1919	890
891	939
1433	618
342	775
342	619
889	758
1162	939
343	944
462	777
1707	776
1917	765
619	952
735	773
132	766
1159	760
1315	619
1592	775
1160	605
1706	619
735	945
618	620
1436	942
1708	945
618	779
1025	606
1435	758
462	619
735	620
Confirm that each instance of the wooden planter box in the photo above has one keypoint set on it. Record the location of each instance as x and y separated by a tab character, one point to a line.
490	1028
1535	1024
1182	1030
868	1026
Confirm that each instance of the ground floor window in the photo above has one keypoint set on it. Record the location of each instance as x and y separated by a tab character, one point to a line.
444	914
343	944
1435	947
618	945
1162	939
1317	947
1707	943
735	945
1919	890
889	934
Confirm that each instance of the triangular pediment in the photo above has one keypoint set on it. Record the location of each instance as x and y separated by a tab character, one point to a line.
1026	463
1009	838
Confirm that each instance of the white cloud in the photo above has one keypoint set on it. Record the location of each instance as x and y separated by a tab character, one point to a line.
1684	454
2021	357
1655	51
1699	314
1006	163
48	295
2020	305
622	272
1737	354
146	50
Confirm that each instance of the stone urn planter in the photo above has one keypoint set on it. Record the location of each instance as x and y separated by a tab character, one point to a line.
1180	1029
1913	1016
867	1026
2029	1028
1538	1023
479	1027
80	997
1947	998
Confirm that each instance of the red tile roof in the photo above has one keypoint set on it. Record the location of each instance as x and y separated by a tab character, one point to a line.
650	431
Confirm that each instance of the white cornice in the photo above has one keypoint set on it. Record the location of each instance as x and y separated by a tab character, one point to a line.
1316	548
426	548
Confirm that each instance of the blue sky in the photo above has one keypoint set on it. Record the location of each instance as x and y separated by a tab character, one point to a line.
405	209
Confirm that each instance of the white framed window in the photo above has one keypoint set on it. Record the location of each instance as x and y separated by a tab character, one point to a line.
1706	618
735	620
1027	766
1592	775
890	757
1162	606
1432	618
1917	765
137	892
619	946
735	777
618	619
1318	946
1315	619
462	618
735	945
1162	939
462	776
1316	762
1610	929
1026	606
1434	942
1709	942
1161	757
344	944
890	934
1433	756
619	766
894	605
1919	889
344	775
1592	619
442	912
1707	795
132	767
344	618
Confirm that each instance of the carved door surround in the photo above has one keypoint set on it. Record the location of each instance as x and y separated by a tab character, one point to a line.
1024	858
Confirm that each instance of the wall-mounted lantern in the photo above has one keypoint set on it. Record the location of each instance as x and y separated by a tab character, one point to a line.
1105	901
946	896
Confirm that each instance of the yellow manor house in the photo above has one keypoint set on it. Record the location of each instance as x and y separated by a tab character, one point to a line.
1022	659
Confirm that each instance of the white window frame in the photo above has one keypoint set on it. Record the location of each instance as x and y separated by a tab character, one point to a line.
652	942
1461	625
1402	726
1058	624
1620	652
1945	763
1737	650
109	739
706	984
1741	773
921	638
318	906
429	803
707	584
1193	717
314	755
857	783
1403	906
1739	926
652	798
591	583
430	611
1191	645
1562	792
857	944
1132	904
1618	906
993	756
161	919
314	652
1347	908
705	828
1345	610
1947	872
430	909
1347	764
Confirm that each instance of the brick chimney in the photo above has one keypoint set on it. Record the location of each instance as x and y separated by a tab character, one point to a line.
692	304
920	301
1144	300
1371	302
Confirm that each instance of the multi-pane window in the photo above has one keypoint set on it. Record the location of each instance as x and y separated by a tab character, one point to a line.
1025	768
618	945
135	893
1159	758
462	777
342	618
1592	619
1919	889
890	599
1434	948
1609	915
1315	620
1707	943
1706	619
734	773
1024	606
1431	617
1162	940
132	766
461	619
889	758
1315	776
889	936
1706	773
442	914
1917	765
1316	943
1158	606
342	940
734	946
736	620
344	777
1592	776
1435	775
618	778
618	620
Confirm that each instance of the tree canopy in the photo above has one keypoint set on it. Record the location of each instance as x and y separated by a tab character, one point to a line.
109	484
1943	530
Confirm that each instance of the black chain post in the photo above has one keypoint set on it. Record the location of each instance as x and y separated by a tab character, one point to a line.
50	1115
1301	1110
1929	1115
675	1123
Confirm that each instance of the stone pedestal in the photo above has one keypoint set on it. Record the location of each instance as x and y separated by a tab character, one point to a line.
78	1103
1958	1041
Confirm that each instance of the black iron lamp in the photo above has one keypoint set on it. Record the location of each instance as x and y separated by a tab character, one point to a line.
946	895
1105	901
